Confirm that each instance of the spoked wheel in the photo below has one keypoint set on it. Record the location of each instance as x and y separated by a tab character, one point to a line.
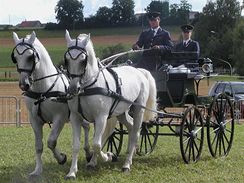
148	138
220	125
115	141
191	135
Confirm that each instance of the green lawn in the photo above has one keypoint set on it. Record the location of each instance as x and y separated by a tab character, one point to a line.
163	165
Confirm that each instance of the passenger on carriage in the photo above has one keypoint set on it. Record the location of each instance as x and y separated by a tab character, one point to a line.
156	39
187	44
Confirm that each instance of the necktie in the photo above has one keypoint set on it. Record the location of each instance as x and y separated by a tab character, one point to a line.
185	44
154	32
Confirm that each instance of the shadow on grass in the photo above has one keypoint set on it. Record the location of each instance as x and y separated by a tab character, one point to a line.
53	172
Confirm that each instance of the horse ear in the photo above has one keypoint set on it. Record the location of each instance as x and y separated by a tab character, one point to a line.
16	38
67	37
87	40
32	37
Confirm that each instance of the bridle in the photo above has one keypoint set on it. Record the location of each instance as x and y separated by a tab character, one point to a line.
82	51
32	57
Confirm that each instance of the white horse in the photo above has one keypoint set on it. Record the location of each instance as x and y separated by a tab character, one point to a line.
97	96
42	83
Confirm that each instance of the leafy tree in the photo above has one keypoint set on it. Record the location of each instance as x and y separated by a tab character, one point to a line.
103	16
123	12
69	13
214	29
238	46
183	11
174	10
159	6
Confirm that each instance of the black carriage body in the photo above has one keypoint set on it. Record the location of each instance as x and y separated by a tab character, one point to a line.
177	76
178	85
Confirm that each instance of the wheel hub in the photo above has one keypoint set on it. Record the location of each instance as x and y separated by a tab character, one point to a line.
193	134
222	126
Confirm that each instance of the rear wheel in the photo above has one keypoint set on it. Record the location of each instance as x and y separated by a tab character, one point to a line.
220	125
148	138
191	135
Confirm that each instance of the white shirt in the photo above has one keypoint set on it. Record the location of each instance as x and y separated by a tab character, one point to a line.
185	42
155	31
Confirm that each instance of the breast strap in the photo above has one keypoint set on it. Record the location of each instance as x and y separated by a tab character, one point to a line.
105	92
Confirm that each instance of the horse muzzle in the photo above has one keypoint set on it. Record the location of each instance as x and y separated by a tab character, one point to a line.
24	82
74	87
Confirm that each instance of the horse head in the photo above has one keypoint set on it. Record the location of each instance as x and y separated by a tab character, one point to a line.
80	61
26	57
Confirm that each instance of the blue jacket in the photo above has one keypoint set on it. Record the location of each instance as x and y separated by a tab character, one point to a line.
162	38
192	46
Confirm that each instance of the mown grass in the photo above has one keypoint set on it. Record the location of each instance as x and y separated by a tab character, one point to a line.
163	165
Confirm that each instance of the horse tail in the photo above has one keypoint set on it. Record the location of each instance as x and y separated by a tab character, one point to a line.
152	98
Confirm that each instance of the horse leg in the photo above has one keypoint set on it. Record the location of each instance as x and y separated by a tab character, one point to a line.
133	137
52	141
126	120
76	130
86	147
100	125
37	126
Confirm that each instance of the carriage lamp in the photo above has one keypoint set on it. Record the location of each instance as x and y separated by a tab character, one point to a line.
207	67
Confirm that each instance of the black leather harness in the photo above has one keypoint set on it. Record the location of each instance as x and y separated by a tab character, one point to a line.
104	91
41	97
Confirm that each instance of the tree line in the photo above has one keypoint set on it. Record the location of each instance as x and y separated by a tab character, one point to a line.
219	28
69	14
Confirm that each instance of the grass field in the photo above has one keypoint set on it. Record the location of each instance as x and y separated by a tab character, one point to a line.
163	165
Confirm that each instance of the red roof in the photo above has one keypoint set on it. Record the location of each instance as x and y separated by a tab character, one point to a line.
35	23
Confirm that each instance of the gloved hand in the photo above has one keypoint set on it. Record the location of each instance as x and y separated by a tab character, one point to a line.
156	47
135	47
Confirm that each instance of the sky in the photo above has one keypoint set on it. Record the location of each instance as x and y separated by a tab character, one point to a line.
15	11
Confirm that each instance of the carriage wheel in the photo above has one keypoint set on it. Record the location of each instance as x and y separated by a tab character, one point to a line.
148	138
191	135
220	126
115	141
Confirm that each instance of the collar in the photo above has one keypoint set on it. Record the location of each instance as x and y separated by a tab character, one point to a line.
186	41
155	30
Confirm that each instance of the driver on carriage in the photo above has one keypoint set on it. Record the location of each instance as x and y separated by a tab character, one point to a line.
187	44
156	39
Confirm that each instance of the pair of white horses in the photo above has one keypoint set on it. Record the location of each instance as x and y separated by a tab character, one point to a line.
43	83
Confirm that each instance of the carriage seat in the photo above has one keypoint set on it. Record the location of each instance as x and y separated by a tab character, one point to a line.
177	59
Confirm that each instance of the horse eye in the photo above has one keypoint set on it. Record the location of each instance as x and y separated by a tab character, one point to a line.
30	58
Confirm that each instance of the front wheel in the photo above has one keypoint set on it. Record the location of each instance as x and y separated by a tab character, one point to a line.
191	135
115	141
220	125
148	138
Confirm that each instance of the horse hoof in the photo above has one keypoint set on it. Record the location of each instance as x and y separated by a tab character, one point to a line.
88	158
114	158
90	167
64	160
34	177
69	177
125	170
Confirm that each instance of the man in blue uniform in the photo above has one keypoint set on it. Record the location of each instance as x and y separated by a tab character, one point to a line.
187	44
154	38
